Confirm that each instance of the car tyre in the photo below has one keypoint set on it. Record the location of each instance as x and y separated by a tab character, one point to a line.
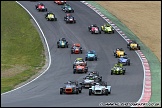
90	92
77	91
106	92
73	71
61	91
111	72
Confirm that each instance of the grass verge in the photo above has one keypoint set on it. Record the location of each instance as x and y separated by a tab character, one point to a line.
22	51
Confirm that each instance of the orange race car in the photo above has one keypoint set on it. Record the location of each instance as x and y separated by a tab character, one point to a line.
60	2
71	87
76	49
80	68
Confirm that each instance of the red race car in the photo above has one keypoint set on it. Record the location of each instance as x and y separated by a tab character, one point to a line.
40	7
94	29
76	49
80	68
60	2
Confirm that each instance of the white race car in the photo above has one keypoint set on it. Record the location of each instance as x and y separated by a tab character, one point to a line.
99	89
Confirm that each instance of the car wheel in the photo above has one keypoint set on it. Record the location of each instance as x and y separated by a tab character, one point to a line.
127	45
90	92
109	91
73	71
130	48
111	72
80	91
86	59
61	91
77	91
106	92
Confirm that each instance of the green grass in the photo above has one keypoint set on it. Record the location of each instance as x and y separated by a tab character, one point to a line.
20	45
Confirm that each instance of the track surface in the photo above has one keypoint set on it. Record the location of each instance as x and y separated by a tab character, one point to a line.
44	92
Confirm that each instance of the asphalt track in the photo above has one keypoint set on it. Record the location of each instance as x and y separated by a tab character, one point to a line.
44	92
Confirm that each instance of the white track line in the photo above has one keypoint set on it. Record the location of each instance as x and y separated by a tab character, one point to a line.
124	37
49	55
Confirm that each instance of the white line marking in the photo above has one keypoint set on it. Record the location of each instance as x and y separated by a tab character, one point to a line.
135	51
49	55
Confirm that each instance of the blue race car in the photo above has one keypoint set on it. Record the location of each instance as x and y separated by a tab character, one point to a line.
91	55
124	60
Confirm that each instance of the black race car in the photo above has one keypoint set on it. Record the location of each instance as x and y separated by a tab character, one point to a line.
50	16
69	18
40	7
62	43
71	87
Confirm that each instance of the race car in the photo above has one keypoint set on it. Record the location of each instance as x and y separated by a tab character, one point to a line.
50	16
76	49
124	60
79	61
62	43
118	69
119	52
67	8
95	74
60	2
100	89
69	18
87	81
107	28
40	7
94	29
91	55
132	45
71	87
80	68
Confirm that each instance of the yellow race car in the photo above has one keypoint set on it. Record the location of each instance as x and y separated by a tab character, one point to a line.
107	28
119	52
50	16
133	45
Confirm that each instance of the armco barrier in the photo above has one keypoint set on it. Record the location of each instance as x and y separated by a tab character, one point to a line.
146	92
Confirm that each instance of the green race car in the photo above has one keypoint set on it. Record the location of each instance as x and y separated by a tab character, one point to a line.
118	69
107	28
